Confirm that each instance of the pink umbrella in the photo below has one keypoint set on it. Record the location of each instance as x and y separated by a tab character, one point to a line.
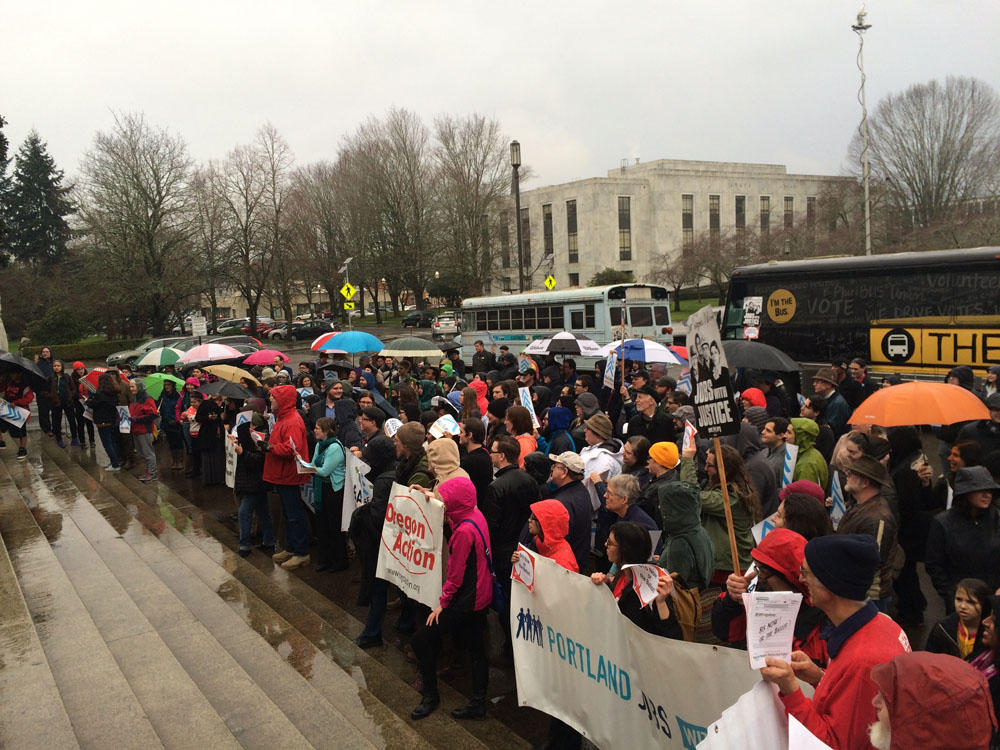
264	357
210	353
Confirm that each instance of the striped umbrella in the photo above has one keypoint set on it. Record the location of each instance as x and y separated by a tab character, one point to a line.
159	357
322	344
643	350
210	353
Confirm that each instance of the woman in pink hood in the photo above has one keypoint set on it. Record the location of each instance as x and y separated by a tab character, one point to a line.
465	600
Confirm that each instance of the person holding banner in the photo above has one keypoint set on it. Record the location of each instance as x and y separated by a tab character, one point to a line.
465	600
19	394
248	484
288	439
329	458
80	393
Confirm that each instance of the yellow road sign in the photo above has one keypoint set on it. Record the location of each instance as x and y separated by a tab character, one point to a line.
347	290
550	282
348	305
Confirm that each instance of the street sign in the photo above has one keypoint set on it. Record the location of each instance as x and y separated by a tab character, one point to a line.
550	282
199	326
348	305
347	290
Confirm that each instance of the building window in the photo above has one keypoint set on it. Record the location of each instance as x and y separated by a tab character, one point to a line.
765	222
574	279
714	223
624	227
526	246
505	239
741	219
572	248
687	223
547	228
811	219
789	211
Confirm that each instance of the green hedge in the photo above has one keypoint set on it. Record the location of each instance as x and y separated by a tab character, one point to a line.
88	350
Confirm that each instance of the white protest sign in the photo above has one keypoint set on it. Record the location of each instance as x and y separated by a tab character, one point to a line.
579	659
14	415
124	420
645	577
714	405
524	569
837	496
801	738
231	459
770	625
689	435
357	488
755	722
445	426
760	530
391	426
88	413
525	394
609	370
242	418
788	469
410	555
308	496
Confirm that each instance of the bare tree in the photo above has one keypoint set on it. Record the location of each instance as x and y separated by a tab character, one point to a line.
675	272
134	218
213	254
935	146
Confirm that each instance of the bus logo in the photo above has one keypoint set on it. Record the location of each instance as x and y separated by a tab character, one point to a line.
898	345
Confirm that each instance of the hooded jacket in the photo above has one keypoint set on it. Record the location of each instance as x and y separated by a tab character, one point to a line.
279	463
713	518
468	586
754	454
443	460
480	388
810	463
348	432
935	701
559	437
554	519
687	547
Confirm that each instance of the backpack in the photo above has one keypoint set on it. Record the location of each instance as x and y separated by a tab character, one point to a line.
687	607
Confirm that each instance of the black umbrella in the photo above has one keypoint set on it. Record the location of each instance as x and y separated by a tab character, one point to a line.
226	389
33	376
754	355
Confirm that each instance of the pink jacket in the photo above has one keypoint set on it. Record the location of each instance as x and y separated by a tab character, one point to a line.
468	585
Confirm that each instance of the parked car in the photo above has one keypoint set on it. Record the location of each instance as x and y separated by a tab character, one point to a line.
446	324
418	319
233	326
129	356
303	329
264	324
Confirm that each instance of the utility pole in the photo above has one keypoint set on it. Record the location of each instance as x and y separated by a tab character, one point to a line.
860	28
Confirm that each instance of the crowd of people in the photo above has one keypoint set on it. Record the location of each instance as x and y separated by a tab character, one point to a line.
614	459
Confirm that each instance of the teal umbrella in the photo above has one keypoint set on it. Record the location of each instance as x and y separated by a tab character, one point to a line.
154	383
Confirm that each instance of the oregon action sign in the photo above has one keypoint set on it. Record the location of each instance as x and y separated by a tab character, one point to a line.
412	536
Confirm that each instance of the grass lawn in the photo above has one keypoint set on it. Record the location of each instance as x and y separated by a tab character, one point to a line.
689	306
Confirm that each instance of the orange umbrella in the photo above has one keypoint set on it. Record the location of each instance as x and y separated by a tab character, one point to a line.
919	403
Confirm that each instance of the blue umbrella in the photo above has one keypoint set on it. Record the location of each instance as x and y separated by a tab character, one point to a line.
353	342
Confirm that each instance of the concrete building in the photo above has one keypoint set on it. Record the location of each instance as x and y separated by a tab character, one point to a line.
643	210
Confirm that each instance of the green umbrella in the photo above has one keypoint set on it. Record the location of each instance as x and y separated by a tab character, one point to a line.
154	383
164	355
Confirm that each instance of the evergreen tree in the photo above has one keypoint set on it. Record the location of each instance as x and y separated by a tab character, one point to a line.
37	206
4	192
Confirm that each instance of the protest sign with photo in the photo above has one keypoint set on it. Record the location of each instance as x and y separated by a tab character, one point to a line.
714	404
410	555
577	658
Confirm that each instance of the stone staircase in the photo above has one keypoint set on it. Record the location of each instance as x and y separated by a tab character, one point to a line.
131	621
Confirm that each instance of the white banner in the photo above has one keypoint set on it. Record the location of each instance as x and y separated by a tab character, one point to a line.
357	488
14	415
230	463
579	659
410	555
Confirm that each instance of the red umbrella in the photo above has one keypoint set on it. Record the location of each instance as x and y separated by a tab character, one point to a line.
680	351
919	402
90	379
264	357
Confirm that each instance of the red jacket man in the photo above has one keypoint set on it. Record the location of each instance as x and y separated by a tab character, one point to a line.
280	470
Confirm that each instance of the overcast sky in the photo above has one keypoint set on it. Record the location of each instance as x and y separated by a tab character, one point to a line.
580	84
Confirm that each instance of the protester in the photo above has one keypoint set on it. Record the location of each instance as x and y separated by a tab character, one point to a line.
465	598
62	400
286	441
602	454
961	633
248	484
748	444
566	476
443	461
663	458
985	432
687	546
166	406
775	434
838	571
629	544
644	418
211	443
518	424
142	411
104	406
618	498
185	414
964	542
475	459
803	510
329	458
988	662
809	464
80	395
43	360
558	419
838	411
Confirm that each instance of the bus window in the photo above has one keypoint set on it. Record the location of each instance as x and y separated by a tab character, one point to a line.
576	319
492	320
480	321
542	314
505	319
529	318
588	317
556	317
640	316
662	315
616	316
516	318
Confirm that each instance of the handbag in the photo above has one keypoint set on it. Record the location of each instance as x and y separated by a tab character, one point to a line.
687	608
499	601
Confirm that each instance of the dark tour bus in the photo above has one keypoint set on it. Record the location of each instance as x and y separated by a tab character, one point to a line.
914	313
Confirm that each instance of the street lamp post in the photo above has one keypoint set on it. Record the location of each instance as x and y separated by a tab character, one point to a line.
515	188
860	28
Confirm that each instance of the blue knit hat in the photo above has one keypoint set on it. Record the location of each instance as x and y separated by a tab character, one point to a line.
844	563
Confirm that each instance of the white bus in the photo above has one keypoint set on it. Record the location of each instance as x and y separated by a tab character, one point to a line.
595	312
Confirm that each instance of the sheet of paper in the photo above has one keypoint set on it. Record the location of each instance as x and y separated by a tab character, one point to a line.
689	435
524	568
445	426
303	467
644	580
770	624
392	426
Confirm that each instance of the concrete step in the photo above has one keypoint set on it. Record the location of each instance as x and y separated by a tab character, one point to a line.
326	625
32	713
263	701
230	611
101	706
